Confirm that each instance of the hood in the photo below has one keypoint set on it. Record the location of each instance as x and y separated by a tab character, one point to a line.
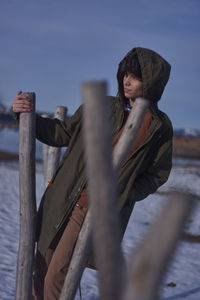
155	72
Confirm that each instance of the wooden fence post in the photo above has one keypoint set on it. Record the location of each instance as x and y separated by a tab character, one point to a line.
102	189
77	262
53	156
130	132
151	257
27	203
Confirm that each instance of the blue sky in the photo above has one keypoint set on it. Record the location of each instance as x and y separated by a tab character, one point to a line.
52	46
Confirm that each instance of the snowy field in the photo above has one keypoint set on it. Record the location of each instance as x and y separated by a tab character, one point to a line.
183	272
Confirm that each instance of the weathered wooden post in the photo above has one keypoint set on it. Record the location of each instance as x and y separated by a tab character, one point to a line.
130	132
79	260
27	203
150	259
102	189
53	156
82	250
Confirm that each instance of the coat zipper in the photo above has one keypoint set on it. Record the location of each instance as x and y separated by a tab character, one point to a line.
76	196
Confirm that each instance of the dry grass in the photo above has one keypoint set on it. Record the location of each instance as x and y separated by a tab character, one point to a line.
183	147
189	237
4	155
186	147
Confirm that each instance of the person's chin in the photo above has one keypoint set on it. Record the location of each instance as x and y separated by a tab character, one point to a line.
127	95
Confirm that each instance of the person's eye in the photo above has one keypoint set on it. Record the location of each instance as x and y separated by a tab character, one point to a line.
133	76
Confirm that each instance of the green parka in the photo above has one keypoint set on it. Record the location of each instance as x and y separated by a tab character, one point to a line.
143	172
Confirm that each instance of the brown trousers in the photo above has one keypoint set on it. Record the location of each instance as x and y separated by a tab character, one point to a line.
50	271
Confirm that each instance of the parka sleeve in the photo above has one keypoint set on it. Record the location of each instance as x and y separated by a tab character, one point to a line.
54	132
158	171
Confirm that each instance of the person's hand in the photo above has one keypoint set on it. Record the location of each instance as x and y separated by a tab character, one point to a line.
21	103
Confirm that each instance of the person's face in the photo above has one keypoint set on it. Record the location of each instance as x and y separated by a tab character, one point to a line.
133	87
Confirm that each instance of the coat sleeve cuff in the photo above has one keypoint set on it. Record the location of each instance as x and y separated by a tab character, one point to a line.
15	115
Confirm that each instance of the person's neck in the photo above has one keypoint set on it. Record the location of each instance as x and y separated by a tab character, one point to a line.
131	102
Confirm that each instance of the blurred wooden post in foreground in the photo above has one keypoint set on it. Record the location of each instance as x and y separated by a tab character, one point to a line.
98	103
27	203
79	259
130	132
102	189
53	153
150	260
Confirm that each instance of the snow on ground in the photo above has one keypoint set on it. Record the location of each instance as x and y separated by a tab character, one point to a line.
183	271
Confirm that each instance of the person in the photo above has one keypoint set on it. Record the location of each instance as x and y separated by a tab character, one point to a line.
141	73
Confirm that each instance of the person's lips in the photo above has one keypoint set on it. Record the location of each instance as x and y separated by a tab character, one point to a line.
126	91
